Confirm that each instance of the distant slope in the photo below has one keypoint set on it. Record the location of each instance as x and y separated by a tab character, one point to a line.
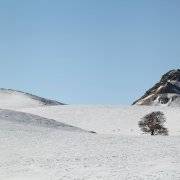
13	99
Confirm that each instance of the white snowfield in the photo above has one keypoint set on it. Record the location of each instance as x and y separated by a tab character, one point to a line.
120	120
54	143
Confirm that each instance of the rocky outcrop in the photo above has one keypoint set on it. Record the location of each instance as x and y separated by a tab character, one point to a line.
165	92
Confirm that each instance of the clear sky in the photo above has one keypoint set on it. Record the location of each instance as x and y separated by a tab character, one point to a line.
88	51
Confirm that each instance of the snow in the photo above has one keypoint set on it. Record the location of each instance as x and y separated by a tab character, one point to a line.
15	118
66	155
51	143
16	100
121	120
174	100
12	99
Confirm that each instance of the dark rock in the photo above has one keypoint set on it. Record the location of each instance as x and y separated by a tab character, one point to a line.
169	84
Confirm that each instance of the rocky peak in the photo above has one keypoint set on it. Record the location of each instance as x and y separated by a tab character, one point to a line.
166	91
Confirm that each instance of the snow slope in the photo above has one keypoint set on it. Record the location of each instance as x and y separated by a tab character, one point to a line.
56	155
42	146
26	120
121	120
12	99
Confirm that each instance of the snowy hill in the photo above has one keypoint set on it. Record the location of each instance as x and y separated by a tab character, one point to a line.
165	93
26	120
119	120
12	99
55	155
42	140
45	147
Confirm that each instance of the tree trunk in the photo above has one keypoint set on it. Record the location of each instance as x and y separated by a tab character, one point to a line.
152	132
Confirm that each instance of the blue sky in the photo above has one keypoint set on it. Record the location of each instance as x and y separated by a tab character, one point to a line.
88	51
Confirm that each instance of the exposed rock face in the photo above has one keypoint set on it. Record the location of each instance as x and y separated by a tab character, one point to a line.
165	92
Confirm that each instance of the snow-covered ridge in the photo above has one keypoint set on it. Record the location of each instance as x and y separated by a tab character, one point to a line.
13	99
25	119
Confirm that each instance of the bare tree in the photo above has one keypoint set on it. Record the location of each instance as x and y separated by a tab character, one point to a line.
153	123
